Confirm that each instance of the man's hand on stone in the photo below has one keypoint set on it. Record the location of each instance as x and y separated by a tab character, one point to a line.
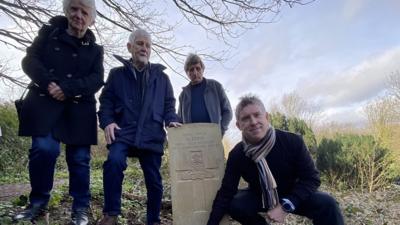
174	124
109	132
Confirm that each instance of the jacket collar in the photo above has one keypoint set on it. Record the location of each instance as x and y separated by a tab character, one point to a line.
150	66
154	69
187	87
61	22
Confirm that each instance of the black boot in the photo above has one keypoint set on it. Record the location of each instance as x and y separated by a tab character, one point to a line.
33	213
80	217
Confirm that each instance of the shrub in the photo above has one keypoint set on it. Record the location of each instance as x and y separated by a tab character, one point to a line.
295	125
354	161
13	149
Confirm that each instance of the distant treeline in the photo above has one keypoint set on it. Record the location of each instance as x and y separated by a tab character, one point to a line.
345	160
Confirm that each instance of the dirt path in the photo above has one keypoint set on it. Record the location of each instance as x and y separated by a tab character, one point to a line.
9	191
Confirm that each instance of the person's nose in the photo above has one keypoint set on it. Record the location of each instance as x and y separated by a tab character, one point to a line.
79	14
253	120
143	49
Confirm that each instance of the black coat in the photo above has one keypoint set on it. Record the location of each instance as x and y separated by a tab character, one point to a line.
76	65
289	161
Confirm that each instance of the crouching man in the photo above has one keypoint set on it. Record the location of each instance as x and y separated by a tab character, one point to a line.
280	172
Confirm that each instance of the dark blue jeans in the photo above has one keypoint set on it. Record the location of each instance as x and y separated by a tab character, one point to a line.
113	175
42	160
320	207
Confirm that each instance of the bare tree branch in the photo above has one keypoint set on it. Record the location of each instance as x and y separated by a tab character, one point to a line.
9	80
225	19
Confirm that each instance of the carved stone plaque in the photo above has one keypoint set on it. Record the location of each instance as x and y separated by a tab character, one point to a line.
196	168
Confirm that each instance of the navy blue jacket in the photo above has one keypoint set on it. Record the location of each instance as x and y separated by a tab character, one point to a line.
157	107
289	161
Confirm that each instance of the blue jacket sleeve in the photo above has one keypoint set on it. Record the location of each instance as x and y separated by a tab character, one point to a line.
169	104
107	98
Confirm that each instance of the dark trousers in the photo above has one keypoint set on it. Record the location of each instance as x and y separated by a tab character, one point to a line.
42	160
113	175
321	208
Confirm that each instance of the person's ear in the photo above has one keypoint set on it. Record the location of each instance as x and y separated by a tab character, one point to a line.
129	46
238	125
91	23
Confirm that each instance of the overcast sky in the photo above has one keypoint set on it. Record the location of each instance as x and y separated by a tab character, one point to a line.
336	53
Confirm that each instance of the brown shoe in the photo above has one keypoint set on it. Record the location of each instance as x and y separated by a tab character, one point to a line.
108	220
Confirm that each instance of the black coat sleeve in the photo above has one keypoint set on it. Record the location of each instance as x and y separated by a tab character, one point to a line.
32	63
308	176
228	189
89	84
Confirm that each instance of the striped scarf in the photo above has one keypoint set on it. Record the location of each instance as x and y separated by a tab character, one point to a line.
258	154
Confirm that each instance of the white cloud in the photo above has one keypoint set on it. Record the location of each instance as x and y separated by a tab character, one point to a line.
348	115
354	85
256	65
352	7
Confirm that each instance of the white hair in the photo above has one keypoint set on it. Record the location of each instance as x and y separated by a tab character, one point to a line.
139	33
88	3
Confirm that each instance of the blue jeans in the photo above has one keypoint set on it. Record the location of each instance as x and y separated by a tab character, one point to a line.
42	160
113	175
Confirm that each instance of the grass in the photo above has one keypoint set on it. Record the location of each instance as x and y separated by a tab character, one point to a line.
378	208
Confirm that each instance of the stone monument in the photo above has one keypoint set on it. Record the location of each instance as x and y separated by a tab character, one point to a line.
196	167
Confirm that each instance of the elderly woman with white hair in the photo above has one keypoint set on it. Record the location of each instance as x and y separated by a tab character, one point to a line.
65	66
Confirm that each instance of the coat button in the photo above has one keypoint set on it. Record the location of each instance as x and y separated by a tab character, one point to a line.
55	38
69	75
56	49
51	70
74	55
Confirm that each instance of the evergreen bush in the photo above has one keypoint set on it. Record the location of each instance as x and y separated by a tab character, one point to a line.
354	161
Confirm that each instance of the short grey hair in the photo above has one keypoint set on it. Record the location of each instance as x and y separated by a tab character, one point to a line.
89	3
246	100
139	33
193	59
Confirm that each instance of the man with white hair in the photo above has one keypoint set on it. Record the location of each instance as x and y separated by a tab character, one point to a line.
66	68
135	104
